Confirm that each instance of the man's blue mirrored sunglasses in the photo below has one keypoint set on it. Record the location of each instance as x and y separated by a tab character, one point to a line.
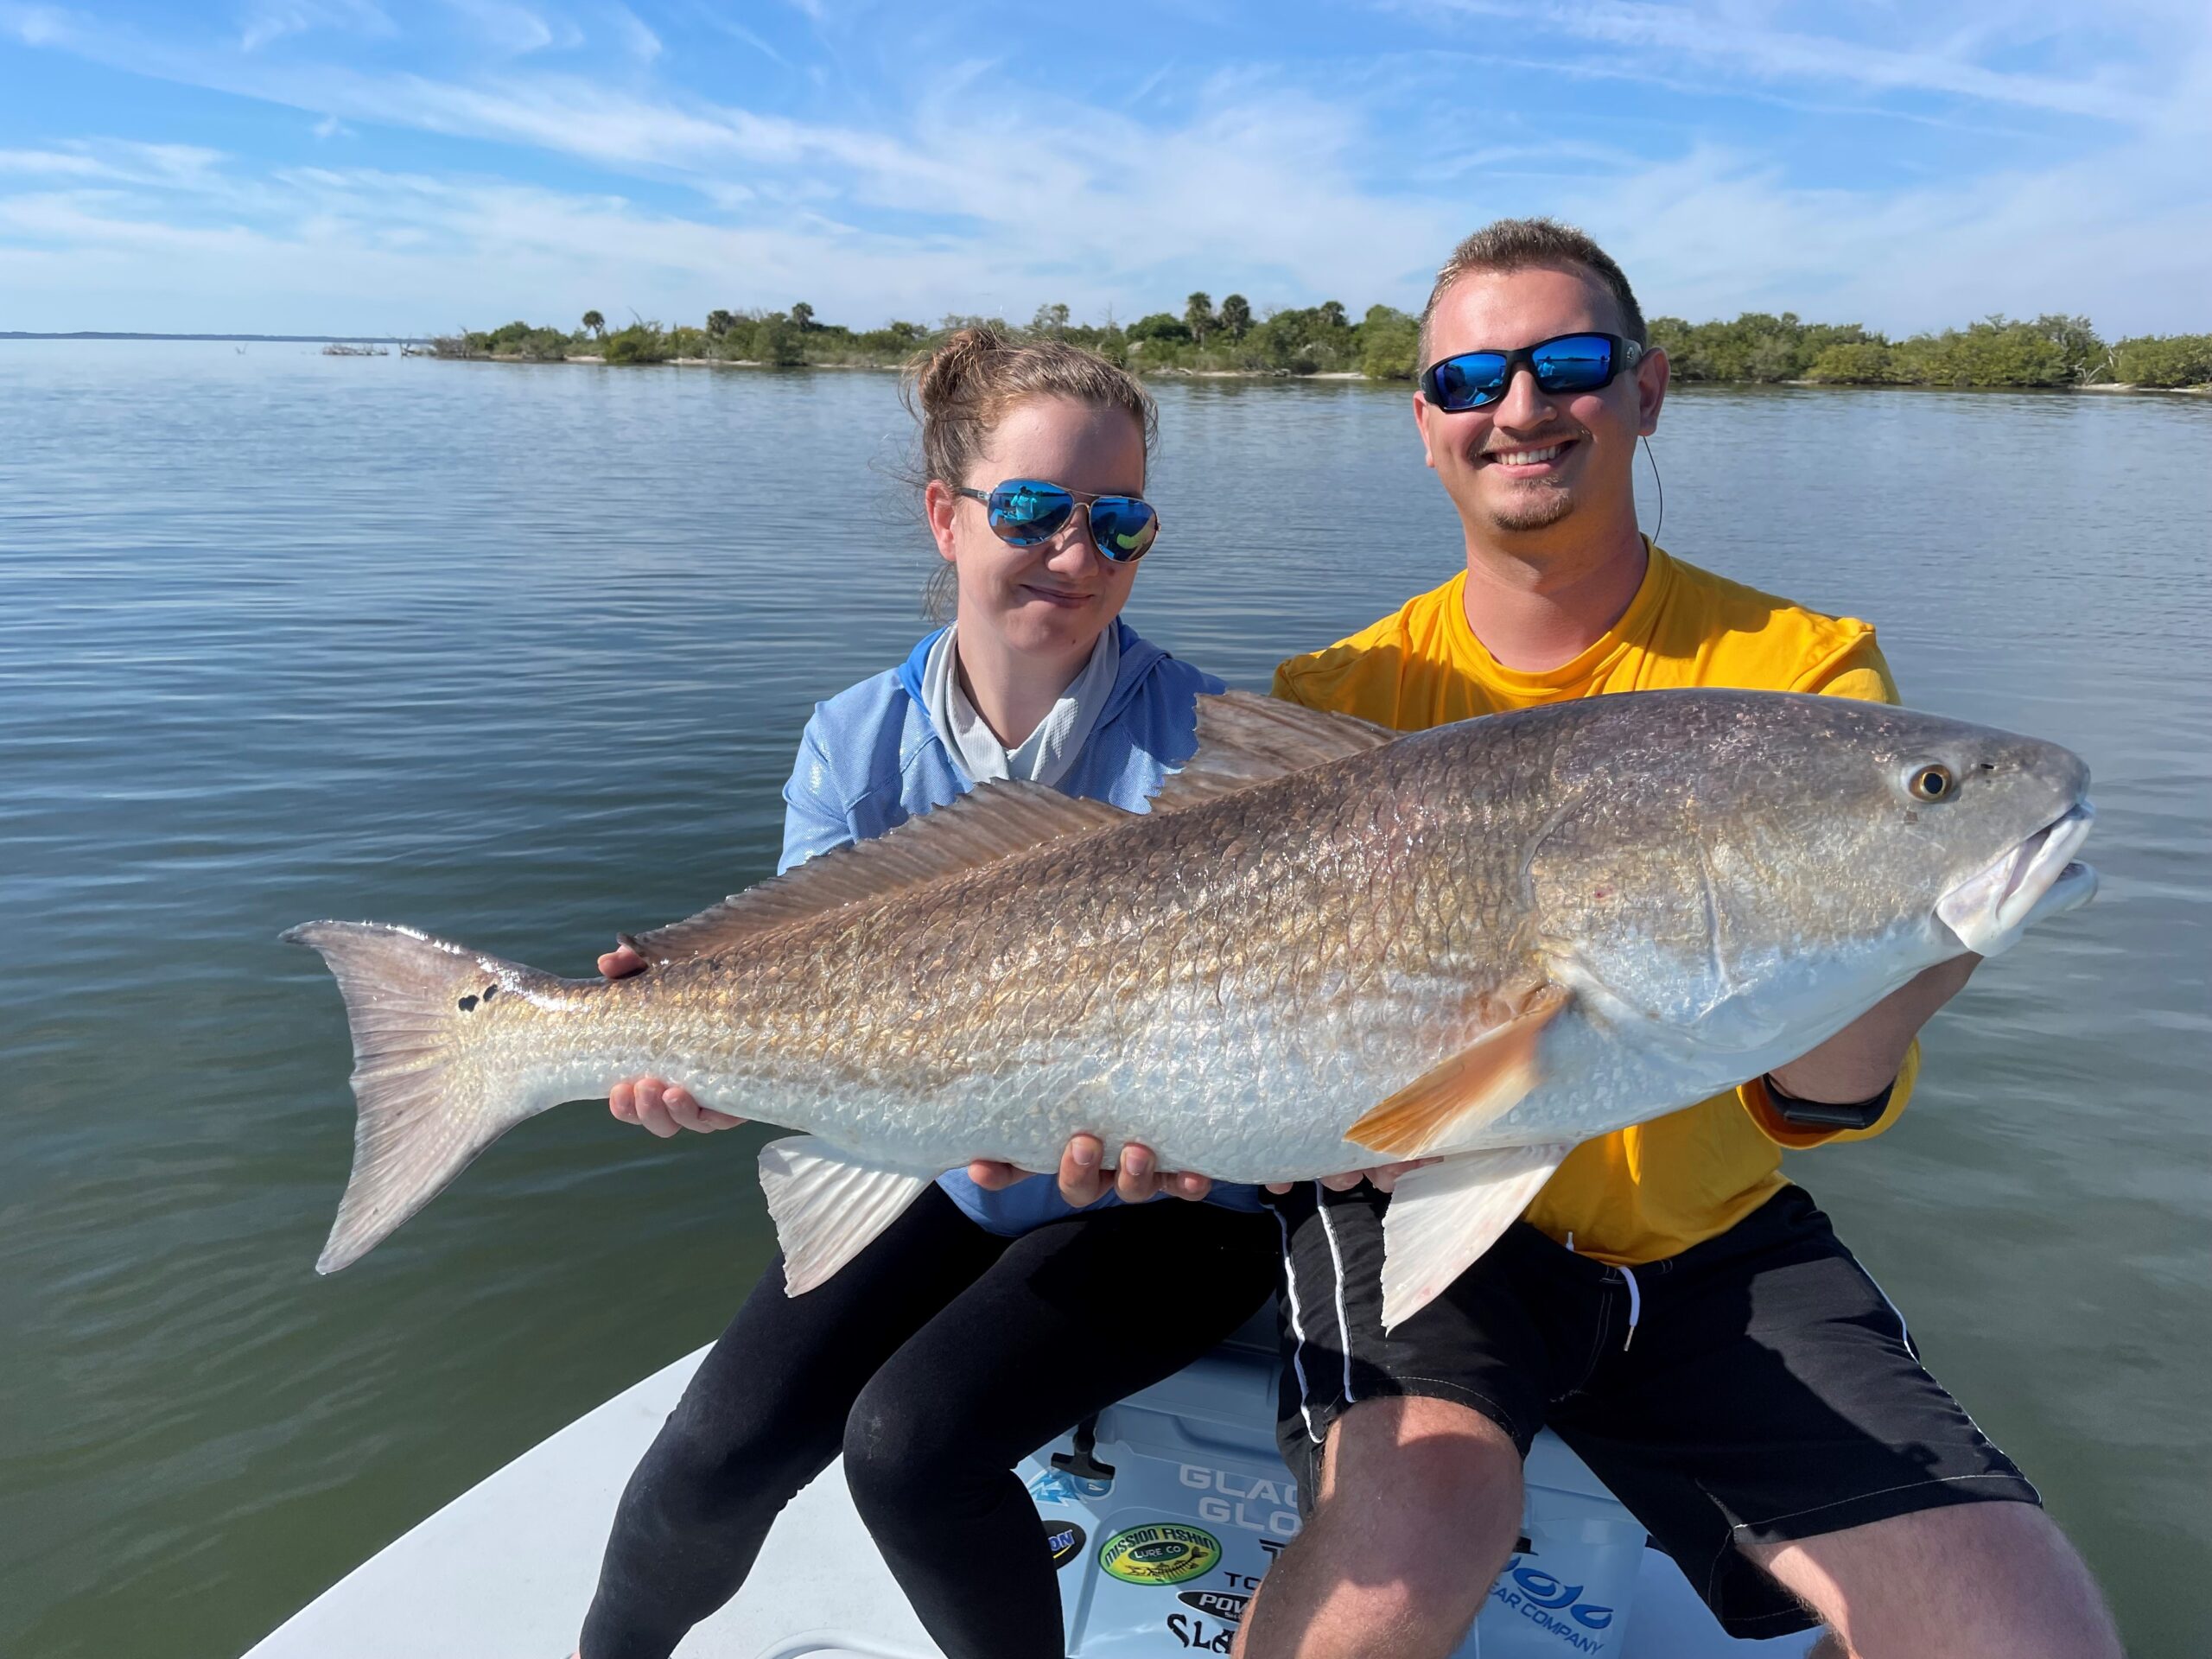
1023	511
1564	363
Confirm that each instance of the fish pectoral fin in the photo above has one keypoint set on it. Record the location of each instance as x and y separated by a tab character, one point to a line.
993	821
1483	1081
829	1204
1443	1215
1245	738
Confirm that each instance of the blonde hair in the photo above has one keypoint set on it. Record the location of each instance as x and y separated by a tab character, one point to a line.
1515	245
963	390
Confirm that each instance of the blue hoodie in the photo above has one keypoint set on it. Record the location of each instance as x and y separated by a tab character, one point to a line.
871	757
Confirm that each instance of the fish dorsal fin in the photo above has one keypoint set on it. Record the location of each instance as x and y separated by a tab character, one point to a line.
1244	739
1483	1081
1443	1216
992	822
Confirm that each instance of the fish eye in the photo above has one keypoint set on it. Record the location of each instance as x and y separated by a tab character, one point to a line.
1932	784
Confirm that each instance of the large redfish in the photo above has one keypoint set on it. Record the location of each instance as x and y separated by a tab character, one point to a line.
1327	946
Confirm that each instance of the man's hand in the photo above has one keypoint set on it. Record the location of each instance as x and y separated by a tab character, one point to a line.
1384	1177
657	1106
1083	1178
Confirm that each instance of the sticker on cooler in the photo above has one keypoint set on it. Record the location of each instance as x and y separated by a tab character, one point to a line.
1555	1608
1200	1636
1253	1502
1065	1541
1217	1604
1159	1552
1057	1487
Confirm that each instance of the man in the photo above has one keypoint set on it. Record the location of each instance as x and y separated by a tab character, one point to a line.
1677	1312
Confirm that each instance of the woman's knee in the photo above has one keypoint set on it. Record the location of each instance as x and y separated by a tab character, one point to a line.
897	1454
705	1461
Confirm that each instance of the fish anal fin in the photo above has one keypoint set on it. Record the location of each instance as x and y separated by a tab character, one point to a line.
991	821
1443	1216
1483	1081
829	1205
1245	738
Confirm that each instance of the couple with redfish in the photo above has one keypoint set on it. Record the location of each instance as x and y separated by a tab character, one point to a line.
1477	1040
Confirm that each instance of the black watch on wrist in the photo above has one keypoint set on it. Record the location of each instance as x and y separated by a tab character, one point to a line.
1829	1113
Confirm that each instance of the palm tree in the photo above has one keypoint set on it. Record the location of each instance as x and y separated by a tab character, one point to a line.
596	323
1236	315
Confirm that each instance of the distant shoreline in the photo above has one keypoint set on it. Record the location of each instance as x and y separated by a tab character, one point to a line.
1164	372
1168	371
241	340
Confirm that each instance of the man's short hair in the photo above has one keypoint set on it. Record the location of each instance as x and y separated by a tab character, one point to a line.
1516	244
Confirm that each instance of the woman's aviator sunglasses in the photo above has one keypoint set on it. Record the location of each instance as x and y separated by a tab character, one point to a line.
1564	363
1024	511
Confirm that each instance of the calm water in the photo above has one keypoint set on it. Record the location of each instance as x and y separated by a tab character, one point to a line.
520	656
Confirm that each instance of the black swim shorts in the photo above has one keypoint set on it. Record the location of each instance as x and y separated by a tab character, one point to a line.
1758	1388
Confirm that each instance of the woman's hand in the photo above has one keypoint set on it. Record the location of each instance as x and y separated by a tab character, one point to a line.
621	962
661	1108
657	1106
1084	1178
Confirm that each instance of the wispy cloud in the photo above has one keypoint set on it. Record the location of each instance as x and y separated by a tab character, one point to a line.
173	167
272	20
513	29
52	163
38	25
639	40
709	17
1725	36
539	160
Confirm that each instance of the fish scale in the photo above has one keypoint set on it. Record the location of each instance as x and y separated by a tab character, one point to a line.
1329	945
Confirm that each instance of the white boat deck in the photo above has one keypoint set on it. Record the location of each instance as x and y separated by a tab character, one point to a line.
507	1568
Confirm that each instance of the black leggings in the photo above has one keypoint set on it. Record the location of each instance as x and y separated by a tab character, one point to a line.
937	1359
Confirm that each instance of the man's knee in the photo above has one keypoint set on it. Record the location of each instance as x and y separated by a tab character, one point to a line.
1419	1504
1420	1482
1989	1581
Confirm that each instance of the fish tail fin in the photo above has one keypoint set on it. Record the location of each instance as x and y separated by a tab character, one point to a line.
428	1094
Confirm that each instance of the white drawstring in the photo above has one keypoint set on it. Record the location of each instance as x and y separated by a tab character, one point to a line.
1635	1296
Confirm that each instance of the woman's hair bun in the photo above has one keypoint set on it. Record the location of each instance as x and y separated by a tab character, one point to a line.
964	388
951	375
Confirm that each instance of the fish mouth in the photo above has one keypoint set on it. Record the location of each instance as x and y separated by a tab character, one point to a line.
1991	909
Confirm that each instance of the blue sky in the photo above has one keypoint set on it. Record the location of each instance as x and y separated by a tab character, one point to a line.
386	165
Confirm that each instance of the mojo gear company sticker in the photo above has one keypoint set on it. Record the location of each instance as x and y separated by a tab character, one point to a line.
1162	1551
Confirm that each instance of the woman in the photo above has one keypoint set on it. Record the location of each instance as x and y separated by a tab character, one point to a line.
976	1329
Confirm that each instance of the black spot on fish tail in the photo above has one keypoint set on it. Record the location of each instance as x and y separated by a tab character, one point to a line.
491	991
466	1003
